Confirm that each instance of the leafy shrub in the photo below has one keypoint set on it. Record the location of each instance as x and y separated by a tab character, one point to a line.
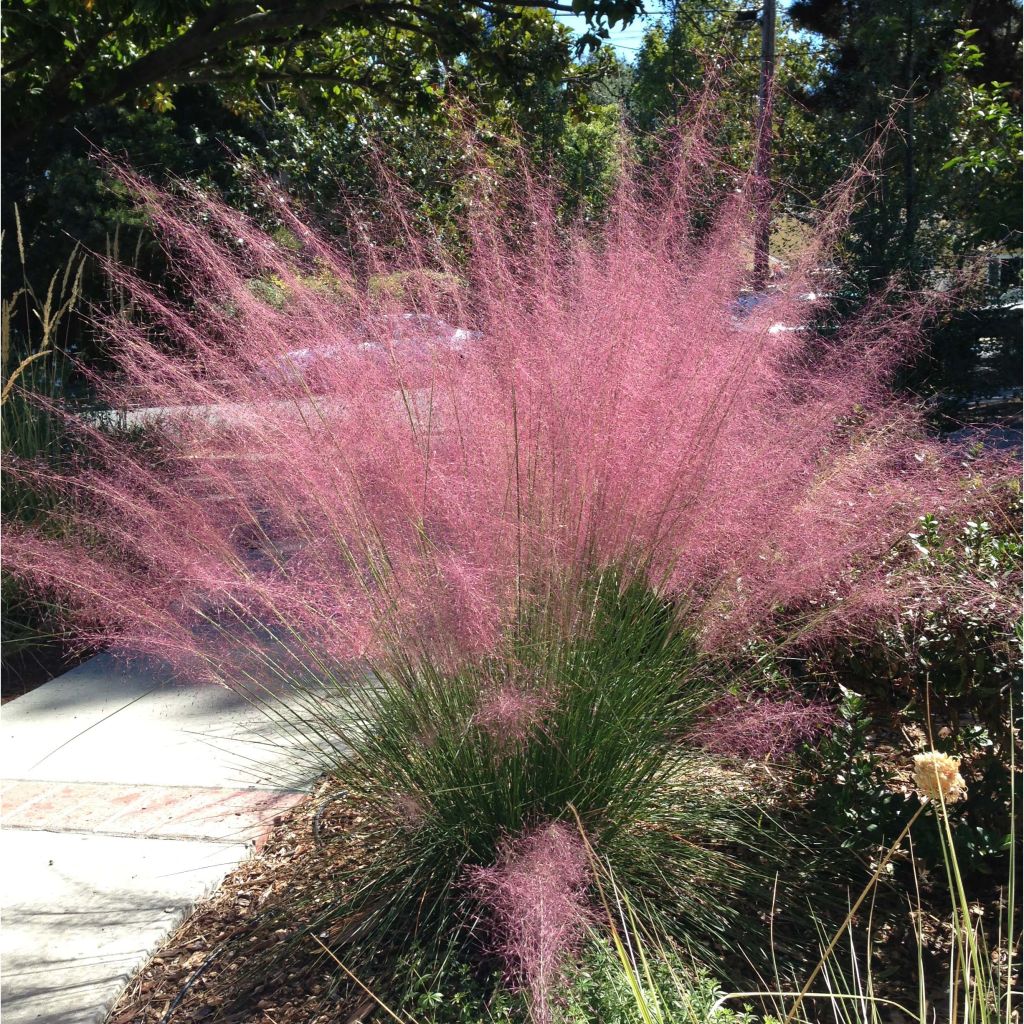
597	990
601	991
275	292
954	652
942	672
852	787
978	980
271	290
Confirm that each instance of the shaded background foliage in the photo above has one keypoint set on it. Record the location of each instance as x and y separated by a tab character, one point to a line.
305	104
307	93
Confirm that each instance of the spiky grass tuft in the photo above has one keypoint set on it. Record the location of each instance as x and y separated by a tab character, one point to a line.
622	686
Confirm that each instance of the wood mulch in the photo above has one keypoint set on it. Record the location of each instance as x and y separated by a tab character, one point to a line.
236	959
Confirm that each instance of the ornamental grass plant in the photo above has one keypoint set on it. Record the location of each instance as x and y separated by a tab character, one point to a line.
495	540
375	471
476	779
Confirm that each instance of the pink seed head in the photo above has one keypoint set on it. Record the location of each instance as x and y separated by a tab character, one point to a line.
761	728
352	471
511	714
536	896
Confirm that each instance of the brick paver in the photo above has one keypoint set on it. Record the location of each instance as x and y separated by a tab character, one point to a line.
210	813
125	797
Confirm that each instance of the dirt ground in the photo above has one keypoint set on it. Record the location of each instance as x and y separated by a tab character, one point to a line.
246	955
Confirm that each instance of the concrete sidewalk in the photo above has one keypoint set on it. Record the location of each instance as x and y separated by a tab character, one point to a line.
126	798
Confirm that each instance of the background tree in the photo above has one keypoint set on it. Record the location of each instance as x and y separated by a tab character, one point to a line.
64	57
299	98
953	69
678	54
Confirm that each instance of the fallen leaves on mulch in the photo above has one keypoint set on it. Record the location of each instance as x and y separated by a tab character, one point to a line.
242	956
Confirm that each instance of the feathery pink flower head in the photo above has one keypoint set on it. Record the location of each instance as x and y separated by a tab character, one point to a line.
511	713
761	728
537	898
369	470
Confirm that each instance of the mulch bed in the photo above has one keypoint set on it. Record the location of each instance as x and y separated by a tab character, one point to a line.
243	957
232	961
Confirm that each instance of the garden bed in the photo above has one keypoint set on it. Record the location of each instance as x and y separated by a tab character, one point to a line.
205	971
232	961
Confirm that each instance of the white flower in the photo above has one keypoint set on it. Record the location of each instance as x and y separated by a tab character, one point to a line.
938	777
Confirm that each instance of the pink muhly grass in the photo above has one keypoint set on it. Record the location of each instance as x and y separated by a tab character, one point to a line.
761	727
355	471
511	713
536	896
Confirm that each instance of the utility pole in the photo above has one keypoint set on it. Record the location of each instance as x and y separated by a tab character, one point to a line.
909	175
763	158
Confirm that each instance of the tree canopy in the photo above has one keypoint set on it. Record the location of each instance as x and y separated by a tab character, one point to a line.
305	92
64	56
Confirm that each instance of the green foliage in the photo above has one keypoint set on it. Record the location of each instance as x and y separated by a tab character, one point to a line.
852	981
976	982
456	992
985	142
310	102
66	199
851	785
614	687
401	286
317	118
598	990
969	651
63	58
590	158
601	990
674	62
941	676
271	290
954	657
946	182
33	332
855	780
